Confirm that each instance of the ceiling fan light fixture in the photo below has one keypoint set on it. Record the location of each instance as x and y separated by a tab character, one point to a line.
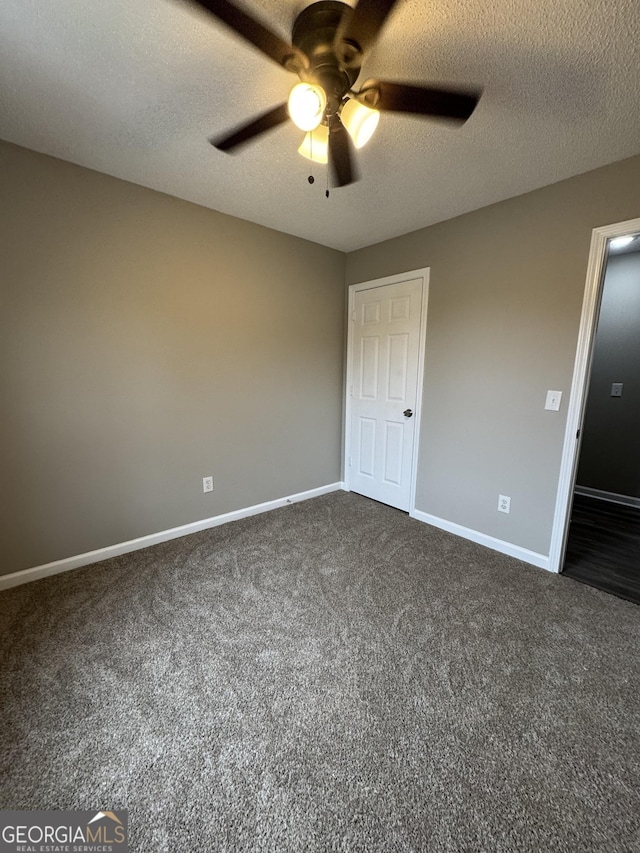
360	121
621	242
315	145
307	103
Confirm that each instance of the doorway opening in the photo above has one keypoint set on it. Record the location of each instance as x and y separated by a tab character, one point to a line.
596	536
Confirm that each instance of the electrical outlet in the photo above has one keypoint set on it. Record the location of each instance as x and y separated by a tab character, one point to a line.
504	503
207	484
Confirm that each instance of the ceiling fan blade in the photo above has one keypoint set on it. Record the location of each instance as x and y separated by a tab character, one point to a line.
362	25
249	130
253	31
455	105
341	154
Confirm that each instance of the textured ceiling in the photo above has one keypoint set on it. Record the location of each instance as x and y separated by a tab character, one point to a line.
134	88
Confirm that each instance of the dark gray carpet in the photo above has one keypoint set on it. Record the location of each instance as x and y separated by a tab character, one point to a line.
329	676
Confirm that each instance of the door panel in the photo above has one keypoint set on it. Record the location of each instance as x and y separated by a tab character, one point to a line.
384	371
394	436
397	368
366	456
369	369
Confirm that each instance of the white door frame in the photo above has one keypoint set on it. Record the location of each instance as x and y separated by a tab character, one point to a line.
369	285
579	385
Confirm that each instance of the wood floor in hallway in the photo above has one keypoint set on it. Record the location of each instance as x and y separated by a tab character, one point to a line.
603	548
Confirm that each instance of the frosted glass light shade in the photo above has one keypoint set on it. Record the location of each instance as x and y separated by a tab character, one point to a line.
307	104
315	145
360	121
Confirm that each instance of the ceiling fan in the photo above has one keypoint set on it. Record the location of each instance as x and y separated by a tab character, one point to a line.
328	44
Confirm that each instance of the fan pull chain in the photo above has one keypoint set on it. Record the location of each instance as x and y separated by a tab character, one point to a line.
326	192
311	179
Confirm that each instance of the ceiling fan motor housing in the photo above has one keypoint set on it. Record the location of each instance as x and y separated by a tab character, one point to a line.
314	33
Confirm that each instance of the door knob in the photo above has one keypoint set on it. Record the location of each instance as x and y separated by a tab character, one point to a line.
407	413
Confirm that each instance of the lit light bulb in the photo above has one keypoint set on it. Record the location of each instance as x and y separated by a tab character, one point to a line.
315	145
360	121
621	242
307	104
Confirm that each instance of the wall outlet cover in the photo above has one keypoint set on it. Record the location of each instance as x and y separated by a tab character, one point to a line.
504	503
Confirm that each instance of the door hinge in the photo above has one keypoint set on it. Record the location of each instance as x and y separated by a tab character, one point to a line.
349	462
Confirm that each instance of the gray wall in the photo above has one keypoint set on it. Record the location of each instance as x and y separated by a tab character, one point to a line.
145	343
610	451
507	284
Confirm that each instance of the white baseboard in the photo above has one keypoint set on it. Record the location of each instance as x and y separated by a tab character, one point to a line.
612	497
37	572
532	557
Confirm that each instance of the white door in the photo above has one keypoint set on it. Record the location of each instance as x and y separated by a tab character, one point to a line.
385	349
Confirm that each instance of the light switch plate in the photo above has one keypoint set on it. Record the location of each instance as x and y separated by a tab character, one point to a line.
553	401
616	389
